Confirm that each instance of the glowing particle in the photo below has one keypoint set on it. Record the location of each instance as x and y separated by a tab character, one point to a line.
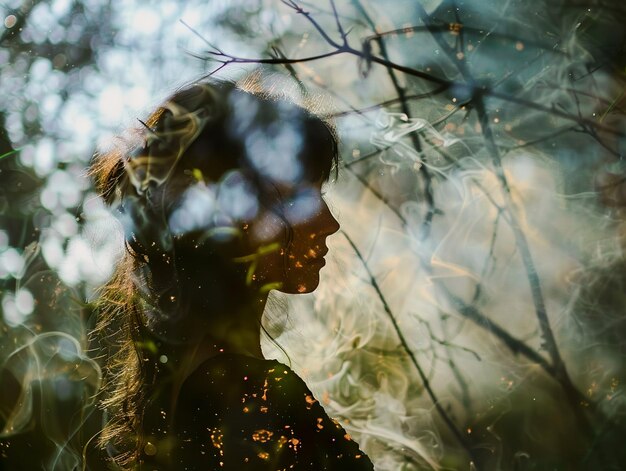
614	384
455	28
262	435
496	120
150	449
460	56
592	389
10	21
216	439
163	358
298	264
469	430
264	455
263	409
246	410
519	45
310	400
356	153
319	423
294	441
326	397
347	436
301	288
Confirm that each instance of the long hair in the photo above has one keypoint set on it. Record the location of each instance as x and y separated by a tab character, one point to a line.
204	121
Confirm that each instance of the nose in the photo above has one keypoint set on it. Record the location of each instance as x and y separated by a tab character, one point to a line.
331	225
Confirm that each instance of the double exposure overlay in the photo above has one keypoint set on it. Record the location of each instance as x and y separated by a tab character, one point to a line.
279	234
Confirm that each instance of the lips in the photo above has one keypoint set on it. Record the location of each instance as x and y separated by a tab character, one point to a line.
316	254
317	257
322	255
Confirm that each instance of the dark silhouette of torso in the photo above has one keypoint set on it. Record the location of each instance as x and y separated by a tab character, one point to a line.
237	412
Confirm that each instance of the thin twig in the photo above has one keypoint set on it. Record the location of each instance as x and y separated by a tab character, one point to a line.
468	311
444	27
483	90
393	101
549	341
425	381
473	88
377	194
428	190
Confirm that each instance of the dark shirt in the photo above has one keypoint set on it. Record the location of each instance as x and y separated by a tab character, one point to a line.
241	413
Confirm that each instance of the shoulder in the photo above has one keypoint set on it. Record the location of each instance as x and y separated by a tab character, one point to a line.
261	412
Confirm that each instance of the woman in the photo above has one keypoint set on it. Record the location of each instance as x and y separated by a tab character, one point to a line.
220	199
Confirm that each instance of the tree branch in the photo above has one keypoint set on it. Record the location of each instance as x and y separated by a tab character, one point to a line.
425	381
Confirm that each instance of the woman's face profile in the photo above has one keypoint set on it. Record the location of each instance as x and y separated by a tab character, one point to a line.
250	187
293	266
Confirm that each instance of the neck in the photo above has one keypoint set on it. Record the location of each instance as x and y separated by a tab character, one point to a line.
237	330
179	346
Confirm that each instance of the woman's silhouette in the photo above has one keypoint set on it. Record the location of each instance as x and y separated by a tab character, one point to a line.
221	201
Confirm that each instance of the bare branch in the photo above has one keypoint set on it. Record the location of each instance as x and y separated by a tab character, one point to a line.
230	59
475	90
344	35
383	104
428	192
455	28
424	378
298	9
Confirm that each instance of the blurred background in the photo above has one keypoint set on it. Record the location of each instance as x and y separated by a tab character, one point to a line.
472	313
